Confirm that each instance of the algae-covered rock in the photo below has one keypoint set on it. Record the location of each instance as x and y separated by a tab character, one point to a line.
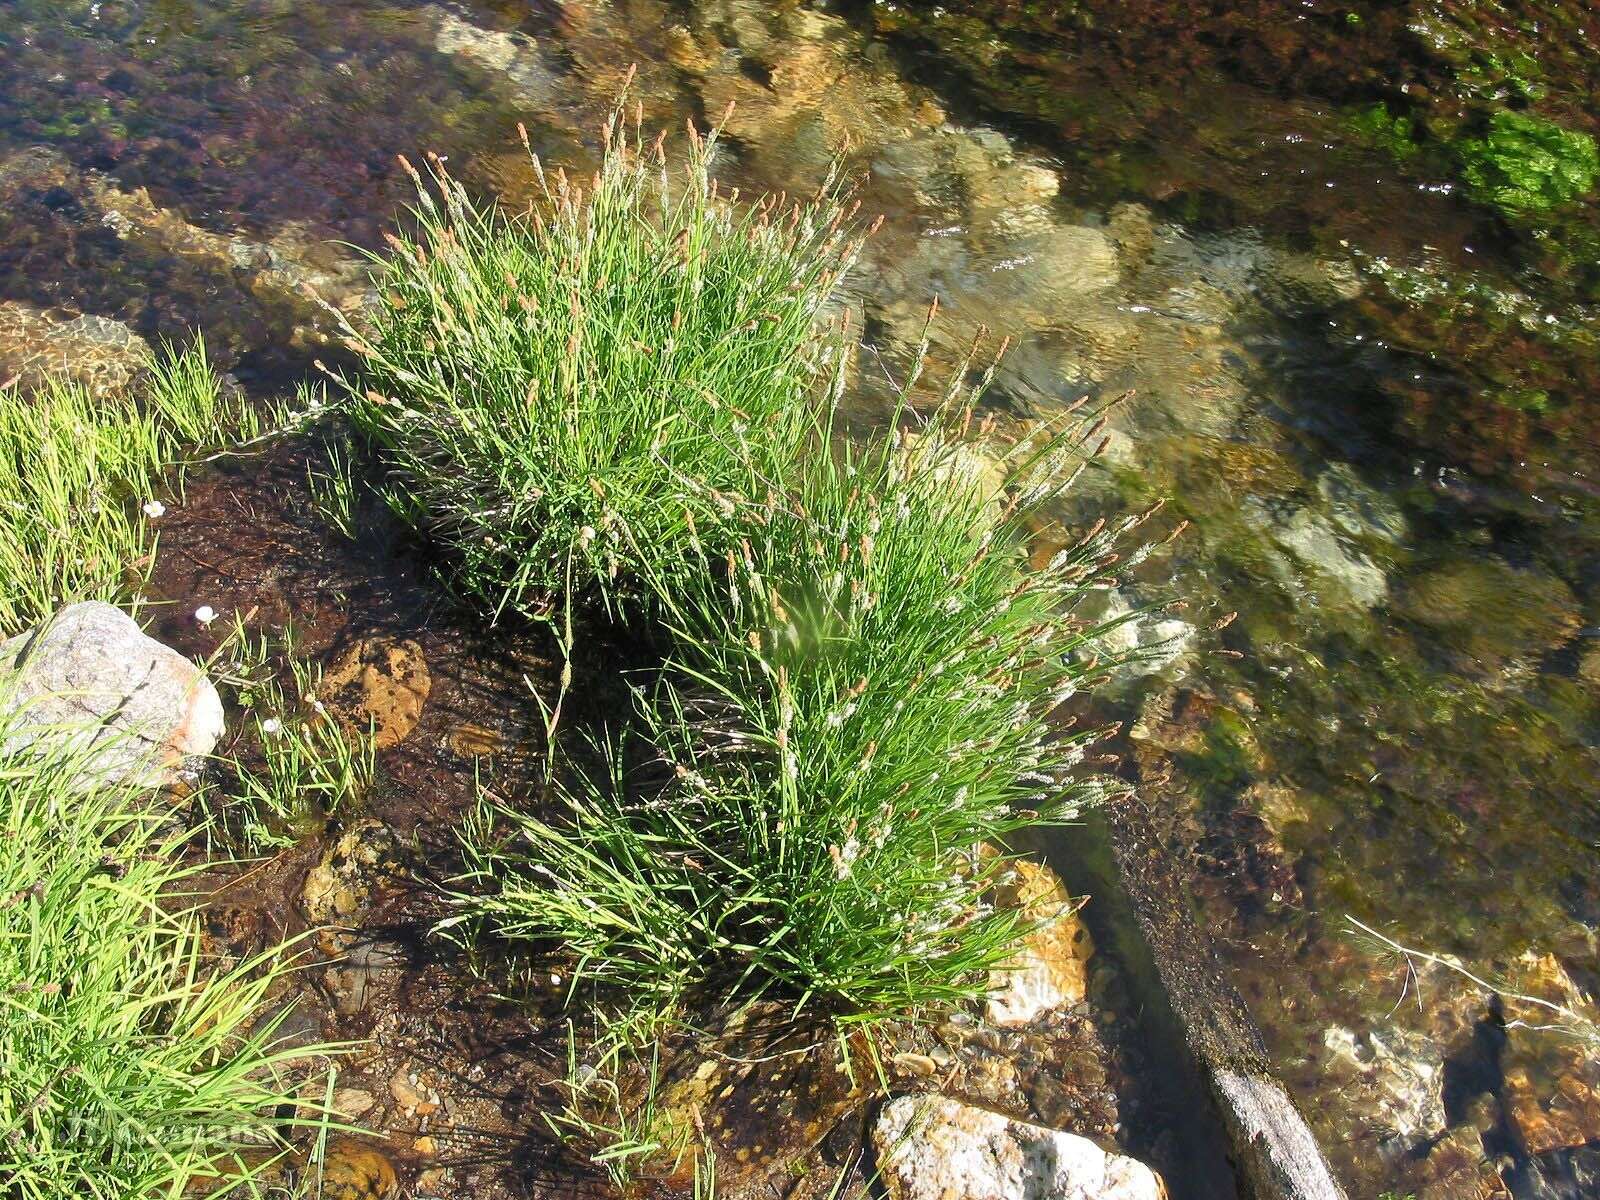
1523	164
1488	610
353	1171
379	687
1050	969
340	885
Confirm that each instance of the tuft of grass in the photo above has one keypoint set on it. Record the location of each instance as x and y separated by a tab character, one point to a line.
611	1109
130	1065
75	470
335	494
621	397
561	396
856	704
300	766
184	395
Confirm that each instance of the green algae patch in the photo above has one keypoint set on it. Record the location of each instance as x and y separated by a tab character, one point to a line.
1524	165
1395	134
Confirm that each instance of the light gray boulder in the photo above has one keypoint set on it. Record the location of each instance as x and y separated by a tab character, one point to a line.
934	1148
142	712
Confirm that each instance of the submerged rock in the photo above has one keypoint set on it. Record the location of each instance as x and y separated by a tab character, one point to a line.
1360	509
972	468
366	969
352	1103
1458	1166
976	174
768	1109
412	1091
1589	666
1050	969
1545	1119
379	687
1533	610
1399	1074
935	1148
340	885
1150	642
1394	1069
144	712
253	292
1299	281
512	55
1552	1075
352	1171
1338	571
102	354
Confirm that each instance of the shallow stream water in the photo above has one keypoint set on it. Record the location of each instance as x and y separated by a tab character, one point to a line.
1371	398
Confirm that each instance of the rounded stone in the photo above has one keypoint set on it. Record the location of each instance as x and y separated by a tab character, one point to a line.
379	686
89	675
352	1171
934	1148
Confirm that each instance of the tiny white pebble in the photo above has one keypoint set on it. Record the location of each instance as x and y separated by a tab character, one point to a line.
205	614
154	509
555	979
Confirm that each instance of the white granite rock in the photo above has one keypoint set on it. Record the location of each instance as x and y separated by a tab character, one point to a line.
143	711
935	1148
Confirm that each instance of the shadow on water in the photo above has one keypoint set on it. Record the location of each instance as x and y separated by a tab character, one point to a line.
1171	1116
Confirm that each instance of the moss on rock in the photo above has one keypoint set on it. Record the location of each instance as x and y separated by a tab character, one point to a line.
1525	165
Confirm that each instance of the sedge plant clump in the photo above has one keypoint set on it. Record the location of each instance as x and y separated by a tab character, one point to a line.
559	395
855	711
623	394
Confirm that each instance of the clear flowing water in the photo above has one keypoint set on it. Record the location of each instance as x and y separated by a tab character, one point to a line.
1372	398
